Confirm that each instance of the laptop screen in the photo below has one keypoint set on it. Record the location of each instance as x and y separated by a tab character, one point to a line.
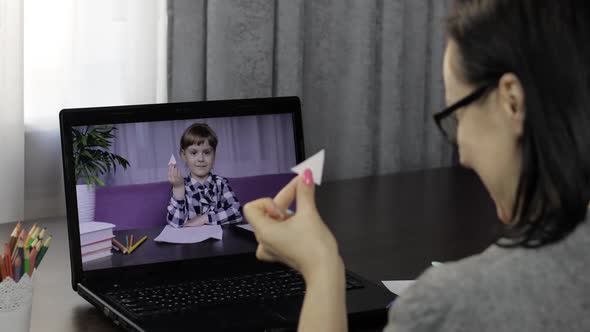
160	191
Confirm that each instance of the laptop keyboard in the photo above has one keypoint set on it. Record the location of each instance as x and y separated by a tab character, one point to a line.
197	294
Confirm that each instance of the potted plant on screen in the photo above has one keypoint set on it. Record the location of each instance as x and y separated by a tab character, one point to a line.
92	160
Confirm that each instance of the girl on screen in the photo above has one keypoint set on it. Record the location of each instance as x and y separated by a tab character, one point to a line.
200	198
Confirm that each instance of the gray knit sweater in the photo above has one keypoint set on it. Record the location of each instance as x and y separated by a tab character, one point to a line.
546	289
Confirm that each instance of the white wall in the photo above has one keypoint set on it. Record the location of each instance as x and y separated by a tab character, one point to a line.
83	54
11	111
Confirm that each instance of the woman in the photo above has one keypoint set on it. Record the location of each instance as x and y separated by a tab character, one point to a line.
517	77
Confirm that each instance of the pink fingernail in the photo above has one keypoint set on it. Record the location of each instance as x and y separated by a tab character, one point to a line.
307	177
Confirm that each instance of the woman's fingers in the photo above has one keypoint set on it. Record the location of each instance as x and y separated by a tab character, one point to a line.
258	212
302	188
305	191
286	196
264	255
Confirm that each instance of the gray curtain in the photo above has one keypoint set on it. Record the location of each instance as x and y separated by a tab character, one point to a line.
368	72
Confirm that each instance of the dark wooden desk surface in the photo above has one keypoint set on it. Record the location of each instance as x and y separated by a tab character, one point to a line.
235	241
388	227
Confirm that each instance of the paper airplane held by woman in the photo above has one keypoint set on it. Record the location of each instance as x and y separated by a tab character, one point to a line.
315	163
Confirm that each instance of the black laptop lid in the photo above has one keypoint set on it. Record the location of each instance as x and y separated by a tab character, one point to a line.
123	153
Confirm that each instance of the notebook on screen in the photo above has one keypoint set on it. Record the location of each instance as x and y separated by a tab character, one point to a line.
154	197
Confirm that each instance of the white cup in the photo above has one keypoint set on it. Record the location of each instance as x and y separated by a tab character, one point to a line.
16	301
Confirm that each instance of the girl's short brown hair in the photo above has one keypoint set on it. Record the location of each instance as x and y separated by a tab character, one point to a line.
197	134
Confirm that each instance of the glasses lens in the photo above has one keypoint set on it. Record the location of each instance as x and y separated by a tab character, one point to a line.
449	126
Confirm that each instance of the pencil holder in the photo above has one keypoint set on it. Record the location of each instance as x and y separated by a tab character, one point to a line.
16	301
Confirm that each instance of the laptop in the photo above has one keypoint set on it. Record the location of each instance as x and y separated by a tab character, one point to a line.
132	255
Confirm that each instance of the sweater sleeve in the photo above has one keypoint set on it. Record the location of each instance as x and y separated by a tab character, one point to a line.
177	213
229	207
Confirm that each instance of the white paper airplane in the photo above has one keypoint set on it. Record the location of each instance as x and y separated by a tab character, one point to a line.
172	160
315	163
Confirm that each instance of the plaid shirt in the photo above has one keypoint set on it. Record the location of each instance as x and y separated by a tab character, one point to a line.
213	197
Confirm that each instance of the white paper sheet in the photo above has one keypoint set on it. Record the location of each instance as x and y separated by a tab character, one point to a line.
315	163
397	286
189	234
247	227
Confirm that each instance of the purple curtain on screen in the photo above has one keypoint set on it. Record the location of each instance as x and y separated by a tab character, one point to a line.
248	146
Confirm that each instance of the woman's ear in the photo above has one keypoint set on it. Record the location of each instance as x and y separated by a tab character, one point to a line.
512	102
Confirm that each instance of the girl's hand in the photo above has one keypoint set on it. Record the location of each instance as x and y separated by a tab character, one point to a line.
177	182
300	240
198	221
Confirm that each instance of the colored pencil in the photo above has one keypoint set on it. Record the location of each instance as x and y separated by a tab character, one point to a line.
2	269
30	234
18	267
14	237
138	244
122	247
8	261
33	237
27	261
43	251
32	261
42	234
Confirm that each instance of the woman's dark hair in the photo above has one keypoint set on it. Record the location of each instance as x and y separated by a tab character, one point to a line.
545	44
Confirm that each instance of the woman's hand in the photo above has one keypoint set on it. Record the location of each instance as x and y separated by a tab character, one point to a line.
300	240
303	242
177	182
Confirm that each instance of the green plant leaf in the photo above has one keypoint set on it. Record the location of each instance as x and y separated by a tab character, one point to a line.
99	181
91	153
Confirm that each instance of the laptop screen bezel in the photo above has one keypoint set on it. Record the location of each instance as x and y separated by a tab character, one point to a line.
73	117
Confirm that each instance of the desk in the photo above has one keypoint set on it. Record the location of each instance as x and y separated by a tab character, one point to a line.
388	227
235	241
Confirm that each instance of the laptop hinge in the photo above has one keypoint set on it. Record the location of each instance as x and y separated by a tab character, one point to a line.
108	310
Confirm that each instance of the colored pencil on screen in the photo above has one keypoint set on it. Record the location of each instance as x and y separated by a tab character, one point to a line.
122	247
142	240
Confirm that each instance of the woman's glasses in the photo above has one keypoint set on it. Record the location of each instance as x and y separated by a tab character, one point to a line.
447	121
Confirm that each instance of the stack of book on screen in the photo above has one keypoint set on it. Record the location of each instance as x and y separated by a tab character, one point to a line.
95	240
